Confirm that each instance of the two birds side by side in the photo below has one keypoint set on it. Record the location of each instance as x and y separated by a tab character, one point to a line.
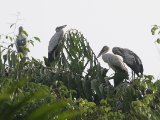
129	57
21	42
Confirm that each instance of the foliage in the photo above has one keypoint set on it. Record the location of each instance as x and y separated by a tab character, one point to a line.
156	30
74	86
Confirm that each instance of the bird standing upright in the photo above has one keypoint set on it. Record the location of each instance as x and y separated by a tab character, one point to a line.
131	59
21	42
115	63
54	42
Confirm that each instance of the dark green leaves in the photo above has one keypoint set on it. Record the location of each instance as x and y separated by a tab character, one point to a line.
156	29
24	32
37	38
12	25
158	41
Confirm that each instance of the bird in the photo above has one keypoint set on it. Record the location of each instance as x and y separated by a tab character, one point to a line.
54	42
131	59
115	63
21	42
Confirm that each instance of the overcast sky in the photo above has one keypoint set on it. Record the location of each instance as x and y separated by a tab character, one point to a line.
124	23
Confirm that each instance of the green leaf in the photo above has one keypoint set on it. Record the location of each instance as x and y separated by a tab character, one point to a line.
158	41
37	38
154	28
26	49
13	58
66	115
21	55
11	45
12	25
31	41
43	111
10	38
9	58
25	33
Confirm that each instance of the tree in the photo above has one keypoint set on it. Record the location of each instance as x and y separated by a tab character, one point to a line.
74	83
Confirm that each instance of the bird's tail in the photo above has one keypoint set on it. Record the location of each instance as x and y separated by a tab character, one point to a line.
50	57
46	62
141	69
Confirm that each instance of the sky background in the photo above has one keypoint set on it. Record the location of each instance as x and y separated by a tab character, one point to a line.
123	23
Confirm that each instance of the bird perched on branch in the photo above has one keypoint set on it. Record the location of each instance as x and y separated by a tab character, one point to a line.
115	63
131	59
54	42
21	42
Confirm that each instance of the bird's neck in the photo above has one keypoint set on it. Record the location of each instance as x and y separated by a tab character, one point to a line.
104	55
59	31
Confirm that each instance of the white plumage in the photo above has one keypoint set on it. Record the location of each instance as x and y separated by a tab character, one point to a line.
113	61
53	43
55	40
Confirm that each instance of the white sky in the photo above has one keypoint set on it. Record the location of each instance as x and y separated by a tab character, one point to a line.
124	23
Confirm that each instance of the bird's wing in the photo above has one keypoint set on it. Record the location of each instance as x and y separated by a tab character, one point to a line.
136	63
138	60
129	59
54	41
20	42
116	63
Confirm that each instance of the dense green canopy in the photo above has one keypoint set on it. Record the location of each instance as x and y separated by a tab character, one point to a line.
75	86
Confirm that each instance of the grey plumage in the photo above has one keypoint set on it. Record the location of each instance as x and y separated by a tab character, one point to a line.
131	59
54	42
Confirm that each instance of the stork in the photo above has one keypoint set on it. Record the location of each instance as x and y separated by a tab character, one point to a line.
54	42
115	63
131	59
21	42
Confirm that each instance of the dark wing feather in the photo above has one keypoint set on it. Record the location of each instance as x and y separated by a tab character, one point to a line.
52	55
139	63
20	44
136	65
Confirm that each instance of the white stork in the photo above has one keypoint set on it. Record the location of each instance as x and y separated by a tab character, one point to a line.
115	63
54	42
21	42
131	59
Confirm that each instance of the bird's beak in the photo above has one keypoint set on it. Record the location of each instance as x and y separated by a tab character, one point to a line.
63	26
100	54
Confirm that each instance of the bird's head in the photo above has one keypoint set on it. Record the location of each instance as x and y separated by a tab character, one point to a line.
117	50
103	51
60	28
20	29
